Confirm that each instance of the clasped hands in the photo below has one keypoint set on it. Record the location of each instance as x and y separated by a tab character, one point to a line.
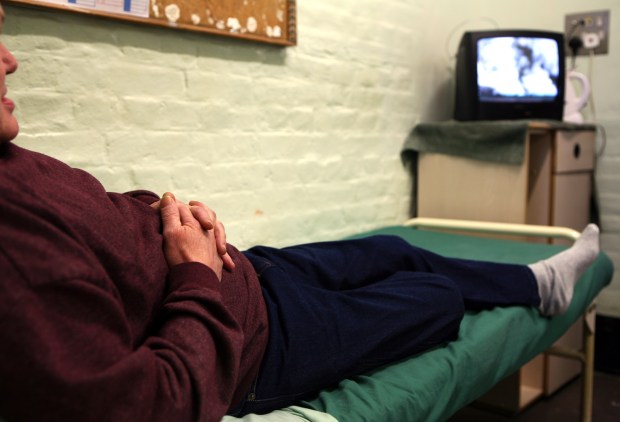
192	233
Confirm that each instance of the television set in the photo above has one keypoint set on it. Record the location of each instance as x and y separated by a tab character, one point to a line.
510	74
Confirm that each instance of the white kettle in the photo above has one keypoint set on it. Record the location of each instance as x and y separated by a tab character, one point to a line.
574	103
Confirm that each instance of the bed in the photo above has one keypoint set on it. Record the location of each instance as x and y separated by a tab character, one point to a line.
434	385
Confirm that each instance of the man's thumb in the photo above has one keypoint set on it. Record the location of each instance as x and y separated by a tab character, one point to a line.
167	199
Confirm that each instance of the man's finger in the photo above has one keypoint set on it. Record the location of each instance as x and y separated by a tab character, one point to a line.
220	238
198	204
169	211
185	215
202	216
227	261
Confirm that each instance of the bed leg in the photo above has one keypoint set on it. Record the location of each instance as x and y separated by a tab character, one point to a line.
587	389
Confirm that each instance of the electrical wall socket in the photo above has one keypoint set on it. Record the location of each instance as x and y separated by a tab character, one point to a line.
592	28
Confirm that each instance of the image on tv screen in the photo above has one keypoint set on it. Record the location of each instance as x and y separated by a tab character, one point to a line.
517	69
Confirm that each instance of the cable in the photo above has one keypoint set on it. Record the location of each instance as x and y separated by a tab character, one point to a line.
492	21
591	99
575	42
601	150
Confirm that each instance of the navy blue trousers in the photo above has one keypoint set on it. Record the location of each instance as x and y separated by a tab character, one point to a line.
339	309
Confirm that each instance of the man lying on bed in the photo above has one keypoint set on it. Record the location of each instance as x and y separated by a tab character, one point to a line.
127	307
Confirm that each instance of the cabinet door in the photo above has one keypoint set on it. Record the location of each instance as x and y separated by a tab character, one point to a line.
571	199
463	188
573	165
574	151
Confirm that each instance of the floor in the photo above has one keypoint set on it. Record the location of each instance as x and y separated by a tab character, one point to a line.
562	406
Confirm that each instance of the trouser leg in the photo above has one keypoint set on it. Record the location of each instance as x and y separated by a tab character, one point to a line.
350	264
319	337
338	309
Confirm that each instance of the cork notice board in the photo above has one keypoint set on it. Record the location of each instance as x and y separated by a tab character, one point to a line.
270	21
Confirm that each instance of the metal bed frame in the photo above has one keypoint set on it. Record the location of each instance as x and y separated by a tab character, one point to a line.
586	354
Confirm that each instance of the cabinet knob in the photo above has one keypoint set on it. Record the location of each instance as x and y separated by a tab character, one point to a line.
576	151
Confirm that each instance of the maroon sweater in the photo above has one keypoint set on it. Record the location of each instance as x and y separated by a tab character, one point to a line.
93	323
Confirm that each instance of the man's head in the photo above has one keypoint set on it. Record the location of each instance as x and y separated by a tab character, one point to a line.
8	124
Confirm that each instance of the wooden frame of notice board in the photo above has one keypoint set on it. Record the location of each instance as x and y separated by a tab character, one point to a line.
268	21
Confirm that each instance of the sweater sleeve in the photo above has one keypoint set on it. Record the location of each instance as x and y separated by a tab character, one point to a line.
67	352
145	196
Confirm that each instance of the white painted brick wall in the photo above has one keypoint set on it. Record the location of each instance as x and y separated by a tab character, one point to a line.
288	145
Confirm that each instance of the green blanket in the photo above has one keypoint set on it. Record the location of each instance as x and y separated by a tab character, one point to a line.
500	141
491	345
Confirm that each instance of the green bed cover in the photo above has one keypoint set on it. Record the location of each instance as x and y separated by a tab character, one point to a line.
491	345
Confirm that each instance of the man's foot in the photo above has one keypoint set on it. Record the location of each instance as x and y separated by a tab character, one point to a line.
557	276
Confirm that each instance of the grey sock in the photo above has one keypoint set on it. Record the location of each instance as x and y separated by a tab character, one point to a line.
557	276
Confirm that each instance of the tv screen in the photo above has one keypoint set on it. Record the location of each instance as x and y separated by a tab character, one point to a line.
517	69
510	74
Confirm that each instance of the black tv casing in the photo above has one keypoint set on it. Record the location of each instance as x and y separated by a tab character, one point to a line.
467	105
